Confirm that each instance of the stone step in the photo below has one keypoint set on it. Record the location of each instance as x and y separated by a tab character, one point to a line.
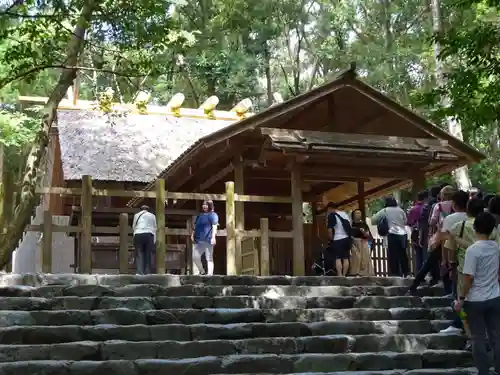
238	364
34	335
177	280
214	316
452	371
118	350
269	291
234	302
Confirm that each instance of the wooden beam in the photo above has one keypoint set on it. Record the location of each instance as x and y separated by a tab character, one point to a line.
264	247
231	264
86	240
361	199
347	172
217	177
88	105
134	210
47	242
168	194
297	222
418	184
370	192
239	208
123	253
168	231
307	176
160	221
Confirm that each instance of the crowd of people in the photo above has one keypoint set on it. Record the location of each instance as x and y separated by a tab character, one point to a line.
455	239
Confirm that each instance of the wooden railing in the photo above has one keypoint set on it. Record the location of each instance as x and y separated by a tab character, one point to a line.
86	229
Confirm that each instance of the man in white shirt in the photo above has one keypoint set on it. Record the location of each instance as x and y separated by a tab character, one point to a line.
339	249
144	228
480	296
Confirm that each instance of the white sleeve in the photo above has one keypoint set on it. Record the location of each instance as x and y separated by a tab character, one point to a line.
447	224
470	262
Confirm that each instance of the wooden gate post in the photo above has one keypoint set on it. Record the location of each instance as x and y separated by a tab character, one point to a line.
231	268
86	244
189	247
123	254
264	246
47	242
160	222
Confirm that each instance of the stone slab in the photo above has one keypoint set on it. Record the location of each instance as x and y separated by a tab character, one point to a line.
177	280
34	335
129	316
169	349
238	364
229	302
267	291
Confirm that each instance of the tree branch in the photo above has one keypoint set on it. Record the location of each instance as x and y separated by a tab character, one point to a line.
40	68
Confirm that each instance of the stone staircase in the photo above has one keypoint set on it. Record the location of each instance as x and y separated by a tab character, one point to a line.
194	325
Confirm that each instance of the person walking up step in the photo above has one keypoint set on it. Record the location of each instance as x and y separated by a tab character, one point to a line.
480	295
144	229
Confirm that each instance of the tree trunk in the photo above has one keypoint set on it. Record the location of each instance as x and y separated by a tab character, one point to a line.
461	174
267	69
34	164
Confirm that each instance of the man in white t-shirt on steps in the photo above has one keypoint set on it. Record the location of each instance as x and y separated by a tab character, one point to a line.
339	248
480	295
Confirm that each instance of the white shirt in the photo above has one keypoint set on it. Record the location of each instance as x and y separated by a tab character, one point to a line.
144	222
396	218
482	261
339	228
450	220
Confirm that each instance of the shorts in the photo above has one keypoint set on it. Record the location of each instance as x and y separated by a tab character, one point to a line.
342	248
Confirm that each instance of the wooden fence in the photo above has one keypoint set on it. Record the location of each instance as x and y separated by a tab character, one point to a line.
379	258
85	229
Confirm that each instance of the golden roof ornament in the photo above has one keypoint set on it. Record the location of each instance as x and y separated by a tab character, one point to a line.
141	102
175	104
242	108
209	106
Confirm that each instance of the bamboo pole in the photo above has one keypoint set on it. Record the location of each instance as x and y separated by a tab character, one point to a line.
86	244
47	242
123	255
160	222
230	230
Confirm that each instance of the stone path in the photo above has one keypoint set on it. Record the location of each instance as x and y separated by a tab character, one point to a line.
192	325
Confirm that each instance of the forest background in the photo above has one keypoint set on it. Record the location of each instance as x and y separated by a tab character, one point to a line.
440	58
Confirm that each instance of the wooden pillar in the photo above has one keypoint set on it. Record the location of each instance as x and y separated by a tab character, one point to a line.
418	184
123	254
239	212
47	242
231	268
297	222
264	247
86	239
160	223
2	192
362	198
189	247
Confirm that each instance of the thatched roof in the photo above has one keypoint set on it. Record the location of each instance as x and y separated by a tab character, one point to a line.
134	148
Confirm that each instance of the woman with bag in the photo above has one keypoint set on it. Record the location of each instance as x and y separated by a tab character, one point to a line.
361	262
391	222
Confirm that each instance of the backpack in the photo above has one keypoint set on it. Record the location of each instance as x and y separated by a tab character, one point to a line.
423	222
383	225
